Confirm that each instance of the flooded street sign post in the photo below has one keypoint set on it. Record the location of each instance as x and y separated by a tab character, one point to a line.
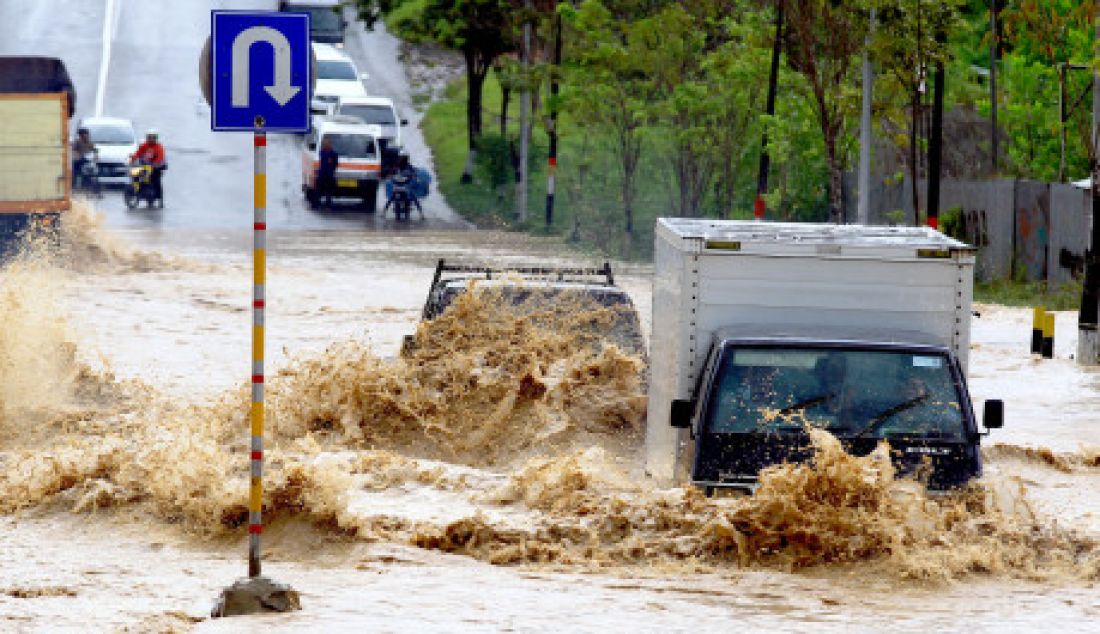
256	74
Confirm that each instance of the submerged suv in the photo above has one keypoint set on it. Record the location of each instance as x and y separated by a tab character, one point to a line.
539	288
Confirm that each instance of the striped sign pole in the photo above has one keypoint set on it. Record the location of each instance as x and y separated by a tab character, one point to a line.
259	263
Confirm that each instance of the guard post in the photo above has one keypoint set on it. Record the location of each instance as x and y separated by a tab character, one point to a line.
1038	316
256	72
1048	336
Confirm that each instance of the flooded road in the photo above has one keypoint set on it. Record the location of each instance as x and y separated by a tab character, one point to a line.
120	497
493	482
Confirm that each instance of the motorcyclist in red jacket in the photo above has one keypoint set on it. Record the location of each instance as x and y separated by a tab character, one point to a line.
151	153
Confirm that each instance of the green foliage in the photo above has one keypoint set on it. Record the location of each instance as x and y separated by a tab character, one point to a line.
662	102
405	22
951	223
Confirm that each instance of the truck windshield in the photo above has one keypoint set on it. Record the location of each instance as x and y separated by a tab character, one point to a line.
852	393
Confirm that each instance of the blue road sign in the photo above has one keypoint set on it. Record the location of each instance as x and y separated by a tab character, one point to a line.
260	65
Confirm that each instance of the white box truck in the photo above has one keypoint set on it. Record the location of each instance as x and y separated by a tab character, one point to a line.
36	101
761	330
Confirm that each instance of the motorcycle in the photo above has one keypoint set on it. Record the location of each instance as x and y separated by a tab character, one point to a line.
87	178
405	189
402	198
141	187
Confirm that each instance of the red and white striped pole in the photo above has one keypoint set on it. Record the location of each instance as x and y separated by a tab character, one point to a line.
259	263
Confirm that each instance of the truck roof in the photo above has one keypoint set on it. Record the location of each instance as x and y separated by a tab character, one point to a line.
826	335
32	74
731	232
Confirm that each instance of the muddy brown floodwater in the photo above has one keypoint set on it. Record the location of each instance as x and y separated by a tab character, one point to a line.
490	481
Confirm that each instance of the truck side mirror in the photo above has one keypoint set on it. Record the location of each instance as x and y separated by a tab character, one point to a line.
682	411
994	415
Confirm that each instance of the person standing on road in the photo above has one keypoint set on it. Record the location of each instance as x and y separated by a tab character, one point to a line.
151	153
83	148
328	160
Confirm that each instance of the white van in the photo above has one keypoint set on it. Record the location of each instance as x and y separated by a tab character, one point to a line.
378	111
359	169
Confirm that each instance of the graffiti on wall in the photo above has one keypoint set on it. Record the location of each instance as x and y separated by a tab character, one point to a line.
1032	231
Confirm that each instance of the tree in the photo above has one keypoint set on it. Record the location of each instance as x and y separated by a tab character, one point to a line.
481	29
821	40
906	46
611	89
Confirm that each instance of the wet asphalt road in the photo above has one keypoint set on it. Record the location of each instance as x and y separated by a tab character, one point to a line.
153	81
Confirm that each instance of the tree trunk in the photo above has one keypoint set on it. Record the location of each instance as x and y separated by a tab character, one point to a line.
505	97
630	167
475	81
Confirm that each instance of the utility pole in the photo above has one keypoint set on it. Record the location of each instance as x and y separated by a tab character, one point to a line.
863	210
994	9
935	143
1088	342
552	160
524	118
773	81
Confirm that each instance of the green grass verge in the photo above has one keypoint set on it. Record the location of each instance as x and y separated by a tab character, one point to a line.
1029	294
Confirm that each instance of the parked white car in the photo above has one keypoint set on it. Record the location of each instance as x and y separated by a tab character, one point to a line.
378	111
337	77
116	142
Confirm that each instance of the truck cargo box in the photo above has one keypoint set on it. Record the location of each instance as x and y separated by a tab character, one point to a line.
715	274
34	159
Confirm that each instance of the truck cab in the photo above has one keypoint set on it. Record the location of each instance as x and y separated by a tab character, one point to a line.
763	387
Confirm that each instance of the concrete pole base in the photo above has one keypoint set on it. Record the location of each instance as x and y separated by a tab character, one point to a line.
254	595
1088	346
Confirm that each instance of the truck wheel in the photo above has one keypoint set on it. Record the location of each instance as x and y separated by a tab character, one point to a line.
370	199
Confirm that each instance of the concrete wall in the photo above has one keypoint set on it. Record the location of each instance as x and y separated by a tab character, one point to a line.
1038	231
1070	222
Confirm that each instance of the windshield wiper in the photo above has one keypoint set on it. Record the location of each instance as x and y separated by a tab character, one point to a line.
810	402
881	418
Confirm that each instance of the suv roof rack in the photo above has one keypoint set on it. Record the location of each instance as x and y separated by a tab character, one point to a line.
601	275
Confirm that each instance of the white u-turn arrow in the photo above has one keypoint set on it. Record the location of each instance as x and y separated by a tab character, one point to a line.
282	91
